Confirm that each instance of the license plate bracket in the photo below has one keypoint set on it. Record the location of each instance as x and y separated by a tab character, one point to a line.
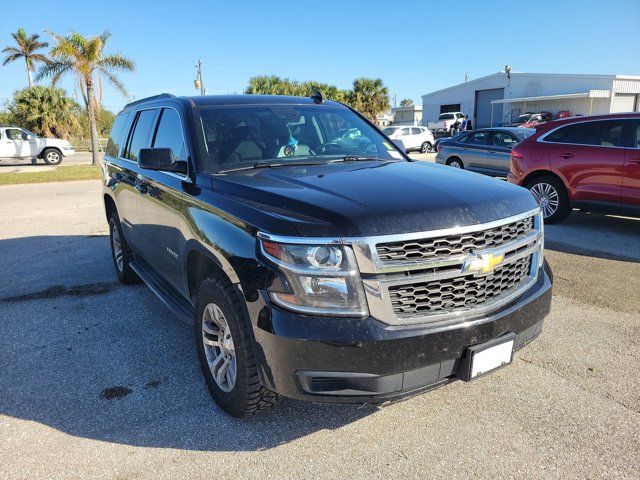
487	357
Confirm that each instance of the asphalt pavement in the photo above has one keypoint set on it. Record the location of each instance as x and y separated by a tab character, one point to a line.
98	380
10	165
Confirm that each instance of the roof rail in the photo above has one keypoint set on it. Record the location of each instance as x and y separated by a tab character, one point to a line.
154	97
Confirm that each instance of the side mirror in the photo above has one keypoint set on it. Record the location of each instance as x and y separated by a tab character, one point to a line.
400	144
161	159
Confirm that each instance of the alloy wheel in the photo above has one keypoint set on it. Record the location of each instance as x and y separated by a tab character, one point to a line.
53	157
218	347
116	243
547	197
455	164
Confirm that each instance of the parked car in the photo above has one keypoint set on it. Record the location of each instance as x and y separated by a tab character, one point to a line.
486	150
590	163
317	270
536	119
520	120
563	114
414	138
16	142
447	123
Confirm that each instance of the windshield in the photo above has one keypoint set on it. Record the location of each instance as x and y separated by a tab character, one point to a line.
446	116
237	137
522	119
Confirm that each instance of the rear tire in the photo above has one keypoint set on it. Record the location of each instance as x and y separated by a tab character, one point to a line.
51	156
225	350
120	252
551	195
426	147
455	162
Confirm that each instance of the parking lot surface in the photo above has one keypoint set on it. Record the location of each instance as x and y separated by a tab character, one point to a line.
97	380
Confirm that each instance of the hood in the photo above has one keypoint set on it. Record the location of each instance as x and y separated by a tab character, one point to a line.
374	198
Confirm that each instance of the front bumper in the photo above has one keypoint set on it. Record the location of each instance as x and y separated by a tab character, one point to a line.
342	360
68	152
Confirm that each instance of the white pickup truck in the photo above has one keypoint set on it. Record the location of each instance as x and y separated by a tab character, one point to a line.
446	123
16	142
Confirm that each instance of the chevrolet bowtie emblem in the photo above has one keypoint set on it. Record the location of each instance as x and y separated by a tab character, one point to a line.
482	262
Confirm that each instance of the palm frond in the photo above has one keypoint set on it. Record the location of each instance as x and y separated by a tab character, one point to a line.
118	62
115	81
54	69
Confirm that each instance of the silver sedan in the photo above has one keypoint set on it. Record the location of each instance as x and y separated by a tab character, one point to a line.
486	150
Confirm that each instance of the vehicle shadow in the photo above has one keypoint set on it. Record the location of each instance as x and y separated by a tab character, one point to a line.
596	235
109	362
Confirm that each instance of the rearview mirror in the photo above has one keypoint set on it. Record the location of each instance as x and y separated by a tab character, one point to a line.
161	159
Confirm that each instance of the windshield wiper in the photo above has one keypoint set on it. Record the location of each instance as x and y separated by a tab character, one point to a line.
269	164
358	158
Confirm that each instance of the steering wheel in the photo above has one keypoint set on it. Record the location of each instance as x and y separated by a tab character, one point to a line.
323	147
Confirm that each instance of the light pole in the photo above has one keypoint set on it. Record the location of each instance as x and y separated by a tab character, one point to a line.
199	83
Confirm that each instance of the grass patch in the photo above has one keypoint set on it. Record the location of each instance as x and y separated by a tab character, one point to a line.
60	174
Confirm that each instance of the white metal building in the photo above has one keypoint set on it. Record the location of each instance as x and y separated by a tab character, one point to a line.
499	98
411	115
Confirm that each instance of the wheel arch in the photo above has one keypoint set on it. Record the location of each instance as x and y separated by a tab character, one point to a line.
109	205
44	149
546	173
201	263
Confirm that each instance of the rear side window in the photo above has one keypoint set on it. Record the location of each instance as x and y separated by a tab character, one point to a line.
405	131
141	136
478	138
609	133
504	140
169	134
117	133
636	135
416	131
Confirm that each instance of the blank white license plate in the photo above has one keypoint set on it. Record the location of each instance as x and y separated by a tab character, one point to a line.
491	358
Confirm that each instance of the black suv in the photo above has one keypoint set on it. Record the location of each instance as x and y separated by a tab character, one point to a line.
316	260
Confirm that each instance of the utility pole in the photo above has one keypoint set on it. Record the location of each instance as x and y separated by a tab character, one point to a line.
466	77
199	82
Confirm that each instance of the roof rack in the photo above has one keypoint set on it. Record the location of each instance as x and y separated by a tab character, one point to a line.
154	97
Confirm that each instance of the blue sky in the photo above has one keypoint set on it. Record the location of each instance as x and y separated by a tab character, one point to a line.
414	46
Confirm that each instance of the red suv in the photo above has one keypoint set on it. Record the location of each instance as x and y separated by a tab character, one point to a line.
590	163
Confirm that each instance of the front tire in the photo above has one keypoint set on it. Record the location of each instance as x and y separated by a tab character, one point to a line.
120	252
455	162
51	156
551	195
225	350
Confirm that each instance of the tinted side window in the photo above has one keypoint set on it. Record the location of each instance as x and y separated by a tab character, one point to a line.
635	137
405	131
416	131
478	138
15	134
141	137
117	133
169	134
504	140
608	133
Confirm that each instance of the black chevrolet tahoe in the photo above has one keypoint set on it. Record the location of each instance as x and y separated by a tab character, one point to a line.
314	258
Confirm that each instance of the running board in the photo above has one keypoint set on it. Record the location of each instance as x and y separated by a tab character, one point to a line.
172	299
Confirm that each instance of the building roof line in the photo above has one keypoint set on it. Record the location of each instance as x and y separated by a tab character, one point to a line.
525	74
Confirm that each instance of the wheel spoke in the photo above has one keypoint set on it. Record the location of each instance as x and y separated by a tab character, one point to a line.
219	347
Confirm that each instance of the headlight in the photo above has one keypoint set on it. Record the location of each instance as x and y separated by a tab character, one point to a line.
320	279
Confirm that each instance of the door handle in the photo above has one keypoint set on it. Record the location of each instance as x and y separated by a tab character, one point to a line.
566	155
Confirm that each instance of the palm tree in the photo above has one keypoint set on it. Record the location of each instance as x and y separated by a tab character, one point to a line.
27	46
46	111
369	96
84	56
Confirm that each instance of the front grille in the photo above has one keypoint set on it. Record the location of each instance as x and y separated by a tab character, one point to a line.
430	248
459	293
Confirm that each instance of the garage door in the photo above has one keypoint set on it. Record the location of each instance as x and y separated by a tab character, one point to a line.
483	115
624	102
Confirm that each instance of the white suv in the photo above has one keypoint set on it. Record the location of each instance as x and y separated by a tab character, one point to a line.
16	142
413	138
